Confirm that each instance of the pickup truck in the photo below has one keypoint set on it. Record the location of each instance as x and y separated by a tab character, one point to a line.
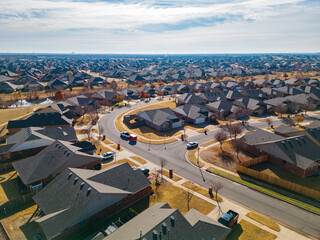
229	218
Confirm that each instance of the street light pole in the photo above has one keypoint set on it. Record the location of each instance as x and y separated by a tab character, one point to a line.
164	142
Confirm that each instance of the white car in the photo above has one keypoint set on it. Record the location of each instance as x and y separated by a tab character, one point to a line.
192	145
107	155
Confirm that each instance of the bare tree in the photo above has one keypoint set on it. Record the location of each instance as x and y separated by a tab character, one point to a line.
238	147
188	195
221	137
235	130
217	186
163	163
269	121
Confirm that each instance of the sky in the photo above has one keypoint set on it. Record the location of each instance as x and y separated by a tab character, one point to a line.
160	26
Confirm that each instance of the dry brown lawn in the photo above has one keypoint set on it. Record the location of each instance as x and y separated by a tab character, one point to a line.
84	120
139	159
114	146
176	198
125	160
166	173
193	157
101	148
16	113
17	225
264	220
106	141
229	161
248	231
206	144
201	190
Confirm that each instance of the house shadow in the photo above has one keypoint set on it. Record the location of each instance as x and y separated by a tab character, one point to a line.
235	233
11	189
30	230
15	210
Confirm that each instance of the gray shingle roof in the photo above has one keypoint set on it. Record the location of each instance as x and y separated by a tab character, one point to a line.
77	194
52	160
158	116
193	226
260	136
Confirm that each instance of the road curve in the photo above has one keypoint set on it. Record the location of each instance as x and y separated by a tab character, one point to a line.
298	219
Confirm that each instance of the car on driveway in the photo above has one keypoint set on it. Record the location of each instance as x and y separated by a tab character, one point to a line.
145	171
125	135
192	145
107	155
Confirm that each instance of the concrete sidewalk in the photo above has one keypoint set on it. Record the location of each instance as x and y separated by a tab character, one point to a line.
226	204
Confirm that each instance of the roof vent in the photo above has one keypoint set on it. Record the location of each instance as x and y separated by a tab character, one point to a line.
57	145
68	154
290	144
75	181
304	141
172	221
297	139
81	185
69	176
284	145
89	191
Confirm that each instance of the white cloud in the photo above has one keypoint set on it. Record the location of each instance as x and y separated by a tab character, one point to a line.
65	26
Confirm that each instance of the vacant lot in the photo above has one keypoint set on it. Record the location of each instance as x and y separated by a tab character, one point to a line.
227	159
277	172
248	231
176	197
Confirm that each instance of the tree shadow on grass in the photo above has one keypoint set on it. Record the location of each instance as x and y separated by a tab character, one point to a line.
226	158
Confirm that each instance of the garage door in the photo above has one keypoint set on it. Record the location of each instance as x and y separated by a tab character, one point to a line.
199	120
176	124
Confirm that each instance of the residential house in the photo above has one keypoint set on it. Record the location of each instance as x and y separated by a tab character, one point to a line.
163	222
190	98
287	131
31	140
78	197
57	84
253	106
33	85
38	170
46	118
8	87
299	154
162	119
192	113
105	97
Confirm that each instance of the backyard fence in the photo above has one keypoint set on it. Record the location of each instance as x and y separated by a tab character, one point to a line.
243	168
16	202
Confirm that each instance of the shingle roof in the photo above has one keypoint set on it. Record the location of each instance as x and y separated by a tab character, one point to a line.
77	194
260	136
20	140
158	116
193	226
40	120
192	111
52	160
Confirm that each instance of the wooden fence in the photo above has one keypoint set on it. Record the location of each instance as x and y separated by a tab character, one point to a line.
16	202
243	168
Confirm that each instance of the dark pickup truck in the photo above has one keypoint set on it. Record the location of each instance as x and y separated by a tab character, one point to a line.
229	218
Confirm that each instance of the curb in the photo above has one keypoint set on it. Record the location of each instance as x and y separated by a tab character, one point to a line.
263	193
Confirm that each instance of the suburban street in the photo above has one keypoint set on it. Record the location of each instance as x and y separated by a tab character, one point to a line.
291	216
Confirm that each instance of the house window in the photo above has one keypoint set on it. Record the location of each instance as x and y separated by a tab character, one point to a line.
283	162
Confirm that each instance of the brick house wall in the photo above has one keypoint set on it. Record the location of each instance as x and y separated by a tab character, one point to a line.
284	164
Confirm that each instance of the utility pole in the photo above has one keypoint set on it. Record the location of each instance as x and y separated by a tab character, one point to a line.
149	141
164	142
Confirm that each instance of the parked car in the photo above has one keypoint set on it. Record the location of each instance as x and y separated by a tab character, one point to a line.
133	137
145	171
192	145
107	155
229	218
125	135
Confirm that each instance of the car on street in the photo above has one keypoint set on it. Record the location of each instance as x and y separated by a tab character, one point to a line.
192	145
107	155
125	135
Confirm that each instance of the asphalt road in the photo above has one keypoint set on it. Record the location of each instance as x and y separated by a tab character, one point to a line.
291	216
